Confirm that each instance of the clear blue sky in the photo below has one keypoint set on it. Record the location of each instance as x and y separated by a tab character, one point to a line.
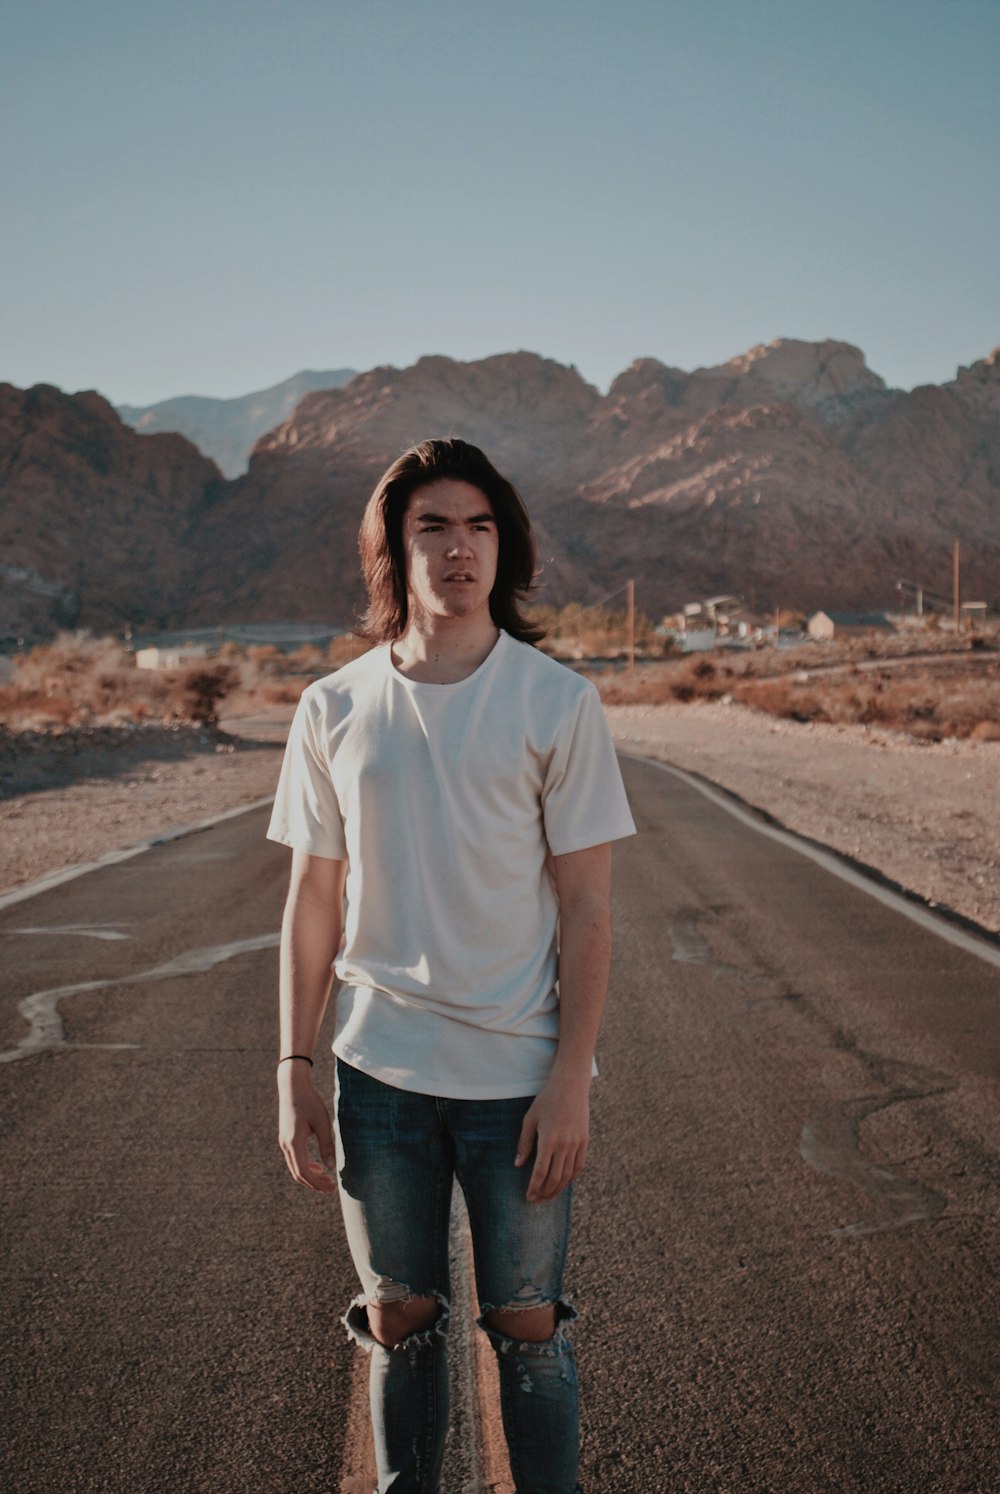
206	196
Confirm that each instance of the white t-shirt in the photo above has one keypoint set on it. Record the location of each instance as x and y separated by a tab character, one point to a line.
445	799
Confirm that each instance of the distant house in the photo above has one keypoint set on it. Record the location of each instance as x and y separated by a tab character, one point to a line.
169	658
841	624
697	640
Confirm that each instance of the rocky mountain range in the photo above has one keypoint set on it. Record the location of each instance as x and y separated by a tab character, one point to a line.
790	475
95	521
226	429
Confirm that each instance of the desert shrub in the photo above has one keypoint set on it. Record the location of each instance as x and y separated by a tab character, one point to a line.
266	658
343	649
576	631
954	696
681	680
286	692
201	689
78	680
306	660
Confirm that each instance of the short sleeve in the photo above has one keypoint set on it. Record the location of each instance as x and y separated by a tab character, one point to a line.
306	813
583	797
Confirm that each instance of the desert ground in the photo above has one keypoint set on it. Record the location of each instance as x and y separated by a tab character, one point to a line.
921	813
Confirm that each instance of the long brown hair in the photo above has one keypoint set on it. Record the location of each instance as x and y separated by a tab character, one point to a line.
381	537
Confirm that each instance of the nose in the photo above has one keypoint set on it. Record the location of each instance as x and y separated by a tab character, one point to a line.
460	545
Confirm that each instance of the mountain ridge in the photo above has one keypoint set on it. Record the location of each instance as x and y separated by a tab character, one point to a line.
225	429
790	474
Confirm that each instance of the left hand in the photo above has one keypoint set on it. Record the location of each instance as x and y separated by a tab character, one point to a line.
558	1124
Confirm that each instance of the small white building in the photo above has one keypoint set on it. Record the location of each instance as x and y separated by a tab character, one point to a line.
169	658
837	624
698	640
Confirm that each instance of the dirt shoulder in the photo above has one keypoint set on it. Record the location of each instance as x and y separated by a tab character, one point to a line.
106	790
924	814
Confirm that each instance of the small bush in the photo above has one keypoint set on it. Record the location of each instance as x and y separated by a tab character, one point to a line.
77	680
288	692
266	658
344	649
202	688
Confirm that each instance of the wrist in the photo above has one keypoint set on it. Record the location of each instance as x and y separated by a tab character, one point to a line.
572	1070
292	1075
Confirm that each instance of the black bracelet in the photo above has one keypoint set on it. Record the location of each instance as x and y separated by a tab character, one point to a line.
289	1056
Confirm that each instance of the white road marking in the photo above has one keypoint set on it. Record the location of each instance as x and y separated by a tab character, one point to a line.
41	1009
70	873
462	1469
359	1474
85	930
831	862
463	1463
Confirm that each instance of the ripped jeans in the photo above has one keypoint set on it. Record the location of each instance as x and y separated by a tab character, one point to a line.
397	1153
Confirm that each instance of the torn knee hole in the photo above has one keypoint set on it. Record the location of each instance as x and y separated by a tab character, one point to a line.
396	1317
521	1321
542	1325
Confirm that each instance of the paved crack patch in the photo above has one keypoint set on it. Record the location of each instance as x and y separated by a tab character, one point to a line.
41	1010
831	1143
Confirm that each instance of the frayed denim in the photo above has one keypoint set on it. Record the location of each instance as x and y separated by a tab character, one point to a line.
397	1153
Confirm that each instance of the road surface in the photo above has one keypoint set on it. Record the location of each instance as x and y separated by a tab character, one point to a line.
786	1249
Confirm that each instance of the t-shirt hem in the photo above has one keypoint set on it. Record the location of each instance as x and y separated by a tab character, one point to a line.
415	1084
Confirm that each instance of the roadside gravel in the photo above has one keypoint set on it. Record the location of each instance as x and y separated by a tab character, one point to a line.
927	815
106	799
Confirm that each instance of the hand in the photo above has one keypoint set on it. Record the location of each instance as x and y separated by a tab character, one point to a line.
301	1116
558	1123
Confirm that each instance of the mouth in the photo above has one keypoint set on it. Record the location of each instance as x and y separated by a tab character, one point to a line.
460	576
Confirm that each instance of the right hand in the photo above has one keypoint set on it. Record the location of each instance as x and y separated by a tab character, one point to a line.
301	1116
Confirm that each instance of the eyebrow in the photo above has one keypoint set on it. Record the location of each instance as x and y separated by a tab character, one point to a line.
443	519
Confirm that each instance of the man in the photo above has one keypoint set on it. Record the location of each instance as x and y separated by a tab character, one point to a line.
462	789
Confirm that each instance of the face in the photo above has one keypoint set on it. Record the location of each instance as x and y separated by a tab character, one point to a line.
451	547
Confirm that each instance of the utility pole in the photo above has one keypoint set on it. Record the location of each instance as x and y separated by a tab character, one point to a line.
630	592
955	590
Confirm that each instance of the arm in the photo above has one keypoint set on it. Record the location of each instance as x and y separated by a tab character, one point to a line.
311	931
559	1117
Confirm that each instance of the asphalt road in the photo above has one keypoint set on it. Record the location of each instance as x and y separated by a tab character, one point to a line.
786	1249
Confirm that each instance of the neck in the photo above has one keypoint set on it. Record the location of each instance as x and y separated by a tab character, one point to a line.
444	650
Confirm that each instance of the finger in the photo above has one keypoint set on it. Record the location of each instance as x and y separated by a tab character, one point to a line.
541	1176
293	1161
529	1130
563	1168
321	1180
327	1147
304	1170
579	1157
